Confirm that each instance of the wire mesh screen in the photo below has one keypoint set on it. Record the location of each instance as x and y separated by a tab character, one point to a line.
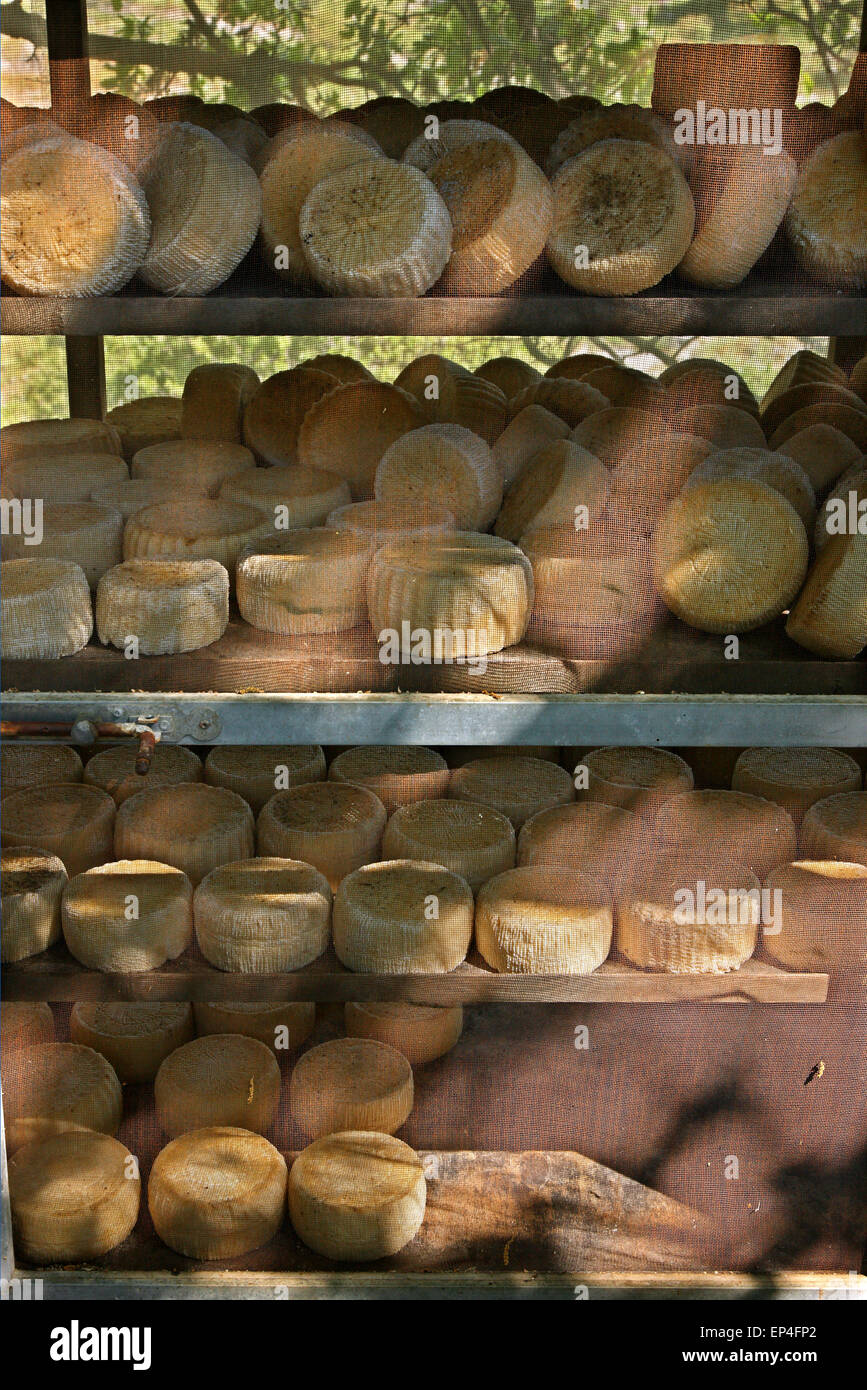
730	1137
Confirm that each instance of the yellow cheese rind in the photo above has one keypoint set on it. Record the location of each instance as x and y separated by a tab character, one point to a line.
836	828
263	916
220	1079
191	825
795	778
35	765
74	1197
822	923
335	826
403	917
282	1027
257	774
654	930
544	921
472	841
114	769
350	1082
729	826
32	882
421	1032
127	916
134	1038
65	1083
45	609
638	779
397	773
73	821
517	787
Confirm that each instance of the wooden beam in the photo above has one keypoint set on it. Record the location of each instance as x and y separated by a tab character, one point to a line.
85	376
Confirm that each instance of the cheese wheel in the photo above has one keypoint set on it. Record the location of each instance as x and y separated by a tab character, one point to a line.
24	1026
629	388
547	920
67	819
825	221
263	916
690	917
795	778
350	1082
134	1038
335	826
729	555
393	121
421	1032
824	453
205	206
347	431
470	840
340	366
459	754
31	882
428	148
629	205
197	529
45	609
61	478
723	426
312	580
821	912
726	826
554	484
61	437
783	474
215	397
844	507
403	917
588	836
130	495
805	395
145	421
220	1079
741	196
165	606
705	381
257	773
638	779
449	394
517	787
275	414
378	523
531	429
617	431
830	616
569	399
836	828
74	1197
113	770
217	1193
37	764
290	495
191	826
65	1083
446	461
131	915
724	74
463	588
291	165
501	209
75	221
357	1195
615	122
197	467
377	229
803	366
844	418
88	534
509	373
397	773
282	1027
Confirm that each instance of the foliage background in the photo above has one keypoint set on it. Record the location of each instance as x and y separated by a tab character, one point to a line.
329	53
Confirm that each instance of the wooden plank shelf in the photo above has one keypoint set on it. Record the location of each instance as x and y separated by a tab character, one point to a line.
56	975
670	659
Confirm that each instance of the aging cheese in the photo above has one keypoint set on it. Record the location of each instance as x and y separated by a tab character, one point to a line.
164	606
347	430
130	915
311	581
216	395
113	770
379	523
70	820
795	778
221	1079
726	826
85	533
290	495
421	1032
191	826
638	779
197	467
197	529
351	1082
134	1038
335	826
31	883
35	765
45	609
515	786
447	462
690	917
822	916
836	828
74	1197
548	920
588	836
472	841
531	429
397	773
145	421
263	916
257	773
830	616
403	917
282	1027
65	1083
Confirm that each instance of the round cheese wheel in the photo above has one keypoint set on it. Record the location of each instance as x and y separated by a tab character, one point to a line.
421	1032
196	528
282	1027
544	920
379	523
445	461
587	836
795	777
724	426
690	917
357	1195
530	430
65	478
60	437
347	431
273	418
397	773
131	495
335	826
830	615
84	533
821	921
145	421
113	770
191	825
67	819
257	773
291	495
472	841
310	580
166	606
37	765
217	1193
350	1082
263	916
517	787
836	828
221	1079
824	453
195	466
731	827
778	471
25	1026
130	915
215	398
638	779
65	1083
45	609
134	1038
31	883
825	220
74	1197
403	917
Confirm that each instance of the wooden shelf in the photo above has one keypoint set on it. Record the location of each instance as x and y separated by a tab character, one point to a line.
672	659
55	975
